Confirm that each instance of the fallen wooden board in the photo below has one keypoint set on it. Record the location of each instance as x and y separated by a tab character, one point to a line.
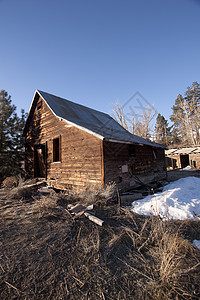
78	210
94	219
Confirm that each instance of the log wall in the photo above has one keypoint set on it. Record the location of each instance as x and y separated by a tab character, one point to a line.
80	152
128	171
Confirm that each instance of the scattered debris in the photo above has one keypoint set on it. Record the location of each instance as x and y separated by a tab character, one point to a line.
26	190
94	219
78	210
46	253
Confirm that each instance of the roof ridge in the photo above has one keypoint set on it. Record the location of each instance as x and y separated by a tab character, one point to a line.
84	106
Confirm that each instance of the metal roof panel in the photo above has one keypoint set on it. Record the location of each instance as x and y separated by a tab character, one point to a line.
92	120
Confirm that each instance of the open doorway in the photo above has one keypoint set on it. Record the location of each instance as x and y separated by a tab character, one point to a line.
40	161
184	160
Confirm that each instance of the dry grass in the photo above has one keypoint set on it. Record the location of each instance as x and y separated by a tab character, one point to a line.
12	181
93	194
46	254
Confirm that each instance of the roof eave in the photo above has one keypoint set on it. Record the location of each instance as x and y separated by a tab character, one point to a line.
25	126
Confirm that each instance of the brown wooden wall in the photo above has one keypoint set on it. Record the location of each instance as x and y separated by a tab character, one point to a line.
194	160
81	152
143	167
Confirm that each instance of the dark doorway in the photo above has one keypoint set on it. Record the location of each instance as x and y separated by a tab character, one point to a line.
184	160
39	161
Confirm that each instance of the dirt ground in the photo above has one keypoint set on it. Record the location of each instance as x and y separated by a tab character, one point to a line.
46	253
173	175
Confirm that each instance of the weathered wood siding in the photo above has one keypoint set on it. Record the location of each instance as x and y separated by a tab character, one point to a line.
176	163
129	171
81	153
194	160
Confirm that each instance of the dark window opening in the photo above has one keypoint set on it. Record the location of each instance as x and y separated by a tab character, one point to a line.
56	150
132	151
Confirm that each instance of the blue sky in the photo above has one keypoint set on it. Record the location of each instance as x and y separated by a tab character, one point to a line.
97	52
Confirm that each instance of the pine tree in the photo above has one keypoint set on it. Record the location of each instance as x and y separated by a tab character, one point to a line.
192	106
178	119
11	138
162	130
186	115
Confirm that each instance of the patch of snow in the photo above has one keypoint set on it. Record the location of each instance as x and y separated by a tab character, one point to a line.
179	200
187	168
196	244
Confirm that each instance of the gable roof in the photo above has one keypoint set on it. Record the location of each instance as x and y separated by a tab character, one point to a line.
170	151
95	122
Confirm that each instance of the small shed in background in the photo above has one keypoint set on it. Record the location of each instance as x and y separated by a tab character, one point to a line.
183	157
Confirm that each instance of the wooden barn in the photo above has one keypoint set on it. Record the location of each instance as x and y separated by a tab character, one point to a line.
73	145
183	157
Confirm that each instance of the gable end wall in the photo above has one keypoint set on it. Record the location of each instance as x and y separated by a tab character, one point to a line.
81	154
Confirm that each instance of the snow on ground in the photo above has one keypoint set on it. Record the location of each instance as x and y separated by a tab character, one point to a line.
196	244
179	200
187	168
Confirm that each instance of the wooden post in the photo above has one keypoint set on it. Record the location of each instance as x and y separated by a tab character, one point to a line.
46	158
60	153
102	164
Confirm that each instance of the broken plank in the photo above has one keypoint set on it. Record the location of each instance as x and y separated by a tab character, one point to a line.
78	208
94	219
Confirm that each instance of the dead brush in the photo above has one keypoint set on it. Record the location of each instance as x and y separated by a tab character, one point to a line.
12	181
165	263
47	207
26	189
168	257
21	193
97	195
50	255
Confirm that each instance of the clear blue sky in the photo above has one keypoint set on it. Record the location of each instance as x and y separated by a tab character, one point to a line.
95	52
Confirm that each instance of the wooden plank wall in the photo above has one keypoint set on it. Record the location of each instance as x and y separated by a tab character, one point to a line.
177	158
81	160
143	166
193	157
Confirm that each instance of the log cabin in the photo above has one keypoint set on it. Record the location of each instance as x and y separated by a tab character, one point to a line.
71	145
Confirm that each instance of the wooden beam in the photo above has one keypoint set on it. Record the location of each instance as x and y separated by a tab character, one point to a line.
102	164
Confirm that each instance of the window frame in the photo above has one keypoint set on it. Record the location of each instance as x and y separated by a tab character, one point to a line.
132	152
56	149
